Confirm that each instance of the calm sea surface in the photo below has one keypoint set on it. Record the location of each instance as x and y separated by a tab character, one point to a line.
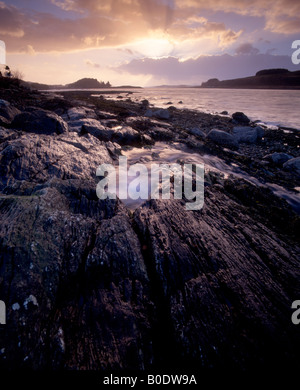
273	107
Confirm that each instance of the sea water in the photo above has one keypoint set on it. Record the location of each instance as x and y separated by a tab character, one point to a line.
272	107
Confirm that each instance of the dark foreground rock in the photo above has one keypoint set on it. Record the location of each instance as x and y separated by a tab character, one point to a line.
293	164
222	138
39	121
213	292
91	285
249	135
7	112
278	158
74	281
240	117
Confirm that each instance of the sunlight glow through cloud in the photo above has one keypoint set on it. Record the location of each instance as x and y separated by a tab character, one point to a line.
153	47
55	40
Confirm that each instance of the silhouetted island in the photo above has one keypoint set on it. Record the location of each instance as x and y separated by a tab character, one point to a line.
264	79
85	83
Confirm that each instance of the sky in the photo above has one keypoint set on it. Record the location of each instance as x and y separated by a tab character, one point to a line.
147	42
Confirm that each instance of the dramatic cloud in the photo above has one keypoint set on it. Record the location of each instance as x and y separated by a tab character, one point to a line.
113	33
282	16
92	64
50	33
106	23
193	29
246	48
268	8
11	22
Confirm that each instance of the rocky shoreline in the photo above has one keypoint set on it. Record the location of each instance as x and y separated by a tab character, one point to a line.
92	285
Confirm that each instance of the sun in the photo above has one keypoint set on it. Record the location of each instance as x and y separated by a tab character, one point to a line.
153	47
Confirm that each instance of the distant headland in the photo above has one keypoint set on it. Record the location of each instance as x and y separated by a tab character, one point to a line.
85	83
264	79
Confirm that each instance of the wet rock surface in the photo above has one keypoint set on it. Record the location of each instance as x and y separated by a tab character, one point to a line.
39	121
293	164
7	111
278	158
92	285
222	138
247	134
214	291
240	117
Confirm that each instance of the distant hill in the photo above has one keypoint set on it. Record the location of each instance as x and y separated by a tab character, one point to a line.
85	83
264	79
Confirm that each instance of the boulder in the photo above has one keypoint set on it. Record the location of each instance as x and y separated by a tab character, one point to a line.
260	132
4	121
105	115
162	114
293	165
38	157
240	117
7	111
114	148
75	126
246	134
197	132
145	103
222	138
159	114
149	113
126	135
94	127
278	158
40	121
76	113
